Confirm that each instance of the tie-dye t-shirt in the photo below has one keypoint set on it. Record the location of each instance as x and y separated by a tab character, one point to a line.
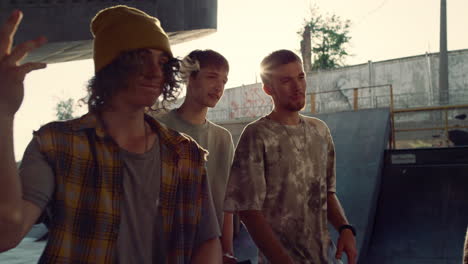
286	172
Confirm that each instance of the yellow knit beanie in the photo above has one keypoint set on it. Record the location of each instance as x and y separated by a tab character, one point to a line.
122	28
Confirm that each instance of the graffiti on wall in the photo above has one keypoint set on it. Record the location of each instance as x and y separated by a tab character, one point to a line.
252	102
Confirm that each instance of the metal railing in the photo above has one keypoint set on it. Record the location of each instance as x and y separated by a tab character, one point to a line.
446	127
353	100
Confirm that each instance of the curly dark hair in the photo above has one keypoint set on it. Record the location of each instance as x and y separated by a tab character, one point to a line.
114	77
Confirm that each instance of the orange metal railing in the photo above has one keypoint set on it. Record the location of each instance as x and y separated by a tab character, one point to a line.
356	102
445	127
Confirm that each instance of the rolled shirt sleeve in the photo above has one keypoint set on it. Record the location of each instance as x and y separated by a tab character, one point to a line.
246	188
37	176
208	227
331	163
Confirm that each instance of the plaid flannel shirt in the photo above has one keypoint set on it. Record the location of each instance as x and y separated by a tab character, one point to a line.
86	203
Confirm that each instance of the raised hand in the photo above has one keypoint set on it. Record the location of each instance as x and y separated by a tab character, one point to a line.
12	74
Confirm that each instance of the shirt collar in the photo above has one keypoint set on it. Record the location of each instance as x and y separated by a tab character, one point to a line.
168	137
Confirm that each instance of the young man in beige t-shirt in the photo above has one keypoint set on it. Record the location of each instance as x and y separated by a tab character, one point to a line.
205	73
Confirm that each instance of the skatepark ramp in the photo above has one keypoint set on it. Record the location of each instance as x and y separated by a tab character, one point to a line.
360	138
409	206
422	213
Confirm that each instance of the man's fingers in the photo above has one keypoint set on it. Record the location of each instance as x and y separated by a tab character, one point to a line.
351	252
339	250
31	66
20	51
352	258
7	32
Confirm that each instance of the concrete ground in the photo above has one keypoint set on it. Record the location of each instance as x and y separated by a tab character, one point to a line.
26	252
29	251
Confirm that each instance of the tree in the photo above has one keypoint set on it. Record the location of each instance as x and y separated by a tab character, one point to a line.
324	41
64	109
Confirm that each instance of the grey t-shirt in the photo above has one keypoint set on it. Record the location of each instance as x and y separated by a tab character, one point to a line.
140	238
286	172
218	141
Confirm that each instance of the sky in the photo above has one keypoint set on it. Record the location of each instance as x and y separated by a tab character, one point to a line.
250	29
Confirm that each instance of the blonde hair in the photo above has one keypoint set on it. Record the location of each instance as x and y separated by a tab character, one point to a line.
187	67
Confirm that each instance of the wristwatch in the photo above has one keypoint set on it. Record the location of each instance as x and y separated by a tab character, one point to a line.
350	227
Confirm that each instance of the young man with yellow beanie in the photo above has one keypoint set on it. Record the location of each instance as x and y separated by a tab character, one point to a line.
113	185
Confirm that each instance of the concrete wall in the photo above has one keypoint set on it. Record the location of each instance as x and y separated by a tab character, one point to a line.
414	81
247	101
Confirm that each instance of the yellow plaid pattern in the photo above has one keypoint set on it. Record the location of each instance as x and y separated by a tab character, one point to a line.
86	205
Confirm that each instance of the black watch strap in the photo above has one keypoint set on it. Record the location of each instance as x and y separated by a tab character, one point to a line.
350	227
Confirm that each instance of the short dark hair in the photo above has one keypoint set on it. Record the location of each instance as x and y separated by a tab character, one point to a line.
274	60
204	58
114	77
